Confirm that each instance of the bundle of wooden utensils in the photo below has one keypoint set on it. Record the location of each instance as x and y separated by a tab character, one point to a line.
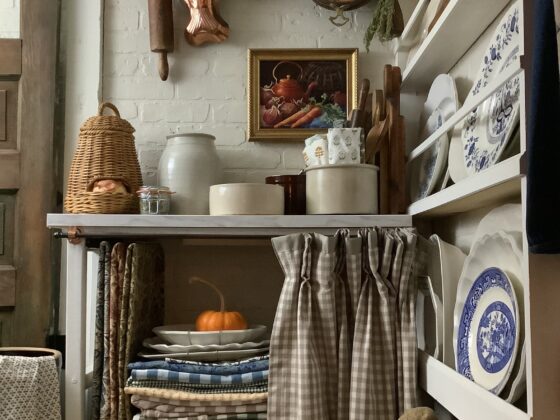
385	140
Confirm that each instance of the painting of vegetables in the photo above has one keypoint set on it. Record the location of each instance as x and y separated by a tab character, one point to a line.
296	93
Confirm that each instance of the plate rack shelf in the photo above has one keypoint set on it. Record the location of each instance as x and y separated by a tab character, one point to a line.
493	185
456	30
464	399
459	27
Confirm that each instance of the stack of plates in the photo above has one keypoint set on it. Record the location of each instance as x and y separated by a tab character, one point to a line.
184	342
489	314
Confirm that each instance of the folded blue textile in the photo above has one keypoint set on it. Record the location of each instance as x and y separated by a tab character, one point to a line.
197	378
255	364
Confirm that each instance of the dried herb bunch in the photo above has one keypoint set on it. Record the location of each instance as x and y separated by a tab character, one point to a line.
387	22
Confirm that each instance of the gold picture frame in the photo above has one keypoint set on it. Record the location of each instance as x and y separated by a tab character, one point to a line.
326	81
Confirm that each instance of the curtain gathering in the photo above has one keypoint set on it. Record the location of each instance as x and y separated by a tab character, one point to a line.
343	344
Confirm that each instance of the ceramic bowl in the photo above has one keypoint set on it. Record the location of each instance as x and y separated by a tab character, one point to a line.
499	251
186	335
246	199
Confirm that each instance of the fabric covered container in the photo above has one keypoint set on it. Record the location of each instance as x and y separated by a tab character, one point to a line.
29	384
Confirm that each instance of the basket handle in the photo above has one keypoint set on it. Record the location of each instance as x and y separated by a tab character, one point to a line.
109	105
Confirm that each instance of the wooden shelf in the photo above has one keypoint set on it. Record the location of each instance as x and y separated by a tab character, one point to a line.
109	225
460	25
490	186
461	397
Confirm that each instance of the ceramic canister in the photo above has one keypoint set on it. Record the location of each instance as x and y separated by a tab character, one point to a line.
189	165
342	189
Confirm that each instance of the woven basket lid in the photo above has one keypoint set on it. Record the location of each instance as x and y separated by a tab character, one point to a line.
107	122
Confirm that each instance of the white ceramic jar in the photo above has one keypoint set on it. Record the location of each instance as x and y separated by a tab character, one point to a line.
189	165
341	189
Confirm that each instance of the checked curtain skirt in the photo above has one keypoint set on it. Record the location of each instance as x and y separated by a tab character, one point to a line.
343	343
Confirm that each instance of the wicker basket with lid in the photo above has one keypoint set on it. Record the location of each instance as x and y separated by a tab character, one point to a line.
105	152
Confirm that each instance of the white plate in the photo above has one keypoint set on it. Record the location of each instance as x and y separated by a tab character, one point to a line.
207	356
446	264
508	218
455	160
488	128
186	335
429	319
156	343
488	331
502	250
429	167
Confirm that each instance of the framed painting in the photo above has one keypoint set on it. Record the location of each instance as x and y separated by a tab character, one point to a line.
295	93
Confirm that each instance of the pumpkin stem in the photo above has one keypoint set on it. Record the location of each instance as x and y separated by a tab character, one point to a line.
209	284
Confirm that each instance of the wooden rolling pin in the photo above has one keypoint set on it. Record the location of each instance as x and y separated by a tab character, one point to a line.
161	32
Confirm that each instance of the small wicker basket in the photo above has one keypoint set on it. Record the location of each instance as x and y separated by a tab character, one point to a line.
105	151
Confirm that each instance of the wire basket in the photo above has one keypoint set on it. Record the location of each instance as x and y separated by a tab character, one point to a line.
105	152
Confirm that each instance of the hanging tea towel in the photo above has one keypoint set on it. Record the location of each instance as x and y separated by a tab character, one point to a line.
29	388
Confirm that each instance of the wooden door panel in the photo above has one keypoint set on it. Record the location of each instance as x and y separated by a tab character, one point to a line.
7	222
10	51
8	114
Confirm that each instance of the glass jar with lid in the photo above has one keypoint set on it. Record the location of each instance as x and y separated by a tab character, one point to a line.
154	199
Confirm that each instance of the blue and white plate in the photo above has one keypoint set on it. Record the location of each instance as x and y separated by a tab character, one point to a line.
488	331
488	128
429	167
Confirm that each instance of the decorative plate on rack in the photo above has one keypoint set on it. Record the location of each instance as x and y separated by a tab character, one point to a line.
488	315
428	168
488	331
488	128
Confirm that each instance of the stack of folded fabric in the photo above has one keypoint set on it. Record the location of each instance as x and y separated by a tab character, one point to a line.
179	389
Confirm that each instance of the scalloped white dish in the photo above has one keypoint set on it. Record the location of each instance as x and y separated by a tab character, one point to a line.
158	344
207	356
186	335
501	251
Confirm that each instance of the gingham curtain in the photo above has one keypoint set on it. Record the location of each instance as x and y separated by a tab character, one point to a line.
343	344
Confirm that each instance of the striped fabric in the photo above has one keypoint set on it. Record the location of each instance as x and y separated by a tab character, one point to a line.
195	378
200	388
343	344
249	416
188	409
196	399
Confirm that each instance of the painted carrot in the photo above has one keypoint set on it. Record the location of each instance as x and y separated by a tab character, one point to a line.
307	118
292	118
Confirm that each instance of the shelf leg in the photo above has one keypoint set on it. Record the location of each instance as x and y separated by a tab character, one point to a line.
74	386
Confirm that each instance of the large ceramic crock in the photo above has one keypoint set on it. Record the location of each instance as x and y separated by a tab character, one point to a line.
189	165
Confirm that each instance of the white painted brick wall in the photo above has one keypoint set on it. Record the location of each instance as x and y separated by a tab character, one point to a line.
9	18
206	90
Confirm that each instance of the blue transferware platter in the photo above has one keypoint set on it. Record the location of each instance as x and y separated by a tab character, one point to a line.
488	128
488	331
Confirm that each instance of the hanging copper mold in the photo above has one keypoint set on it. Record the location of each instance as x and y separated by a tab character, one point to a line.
340	6
205	25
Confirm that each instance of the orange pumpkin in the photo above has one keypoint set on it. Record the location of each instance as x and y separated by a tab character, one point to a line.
218	320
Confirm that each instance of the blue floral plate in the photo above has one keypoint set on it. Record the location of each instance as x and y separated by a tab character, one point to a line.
488	331
488	128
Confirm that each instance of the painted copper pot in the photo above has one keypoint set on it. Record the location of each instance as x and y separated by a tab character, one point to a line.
288	87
